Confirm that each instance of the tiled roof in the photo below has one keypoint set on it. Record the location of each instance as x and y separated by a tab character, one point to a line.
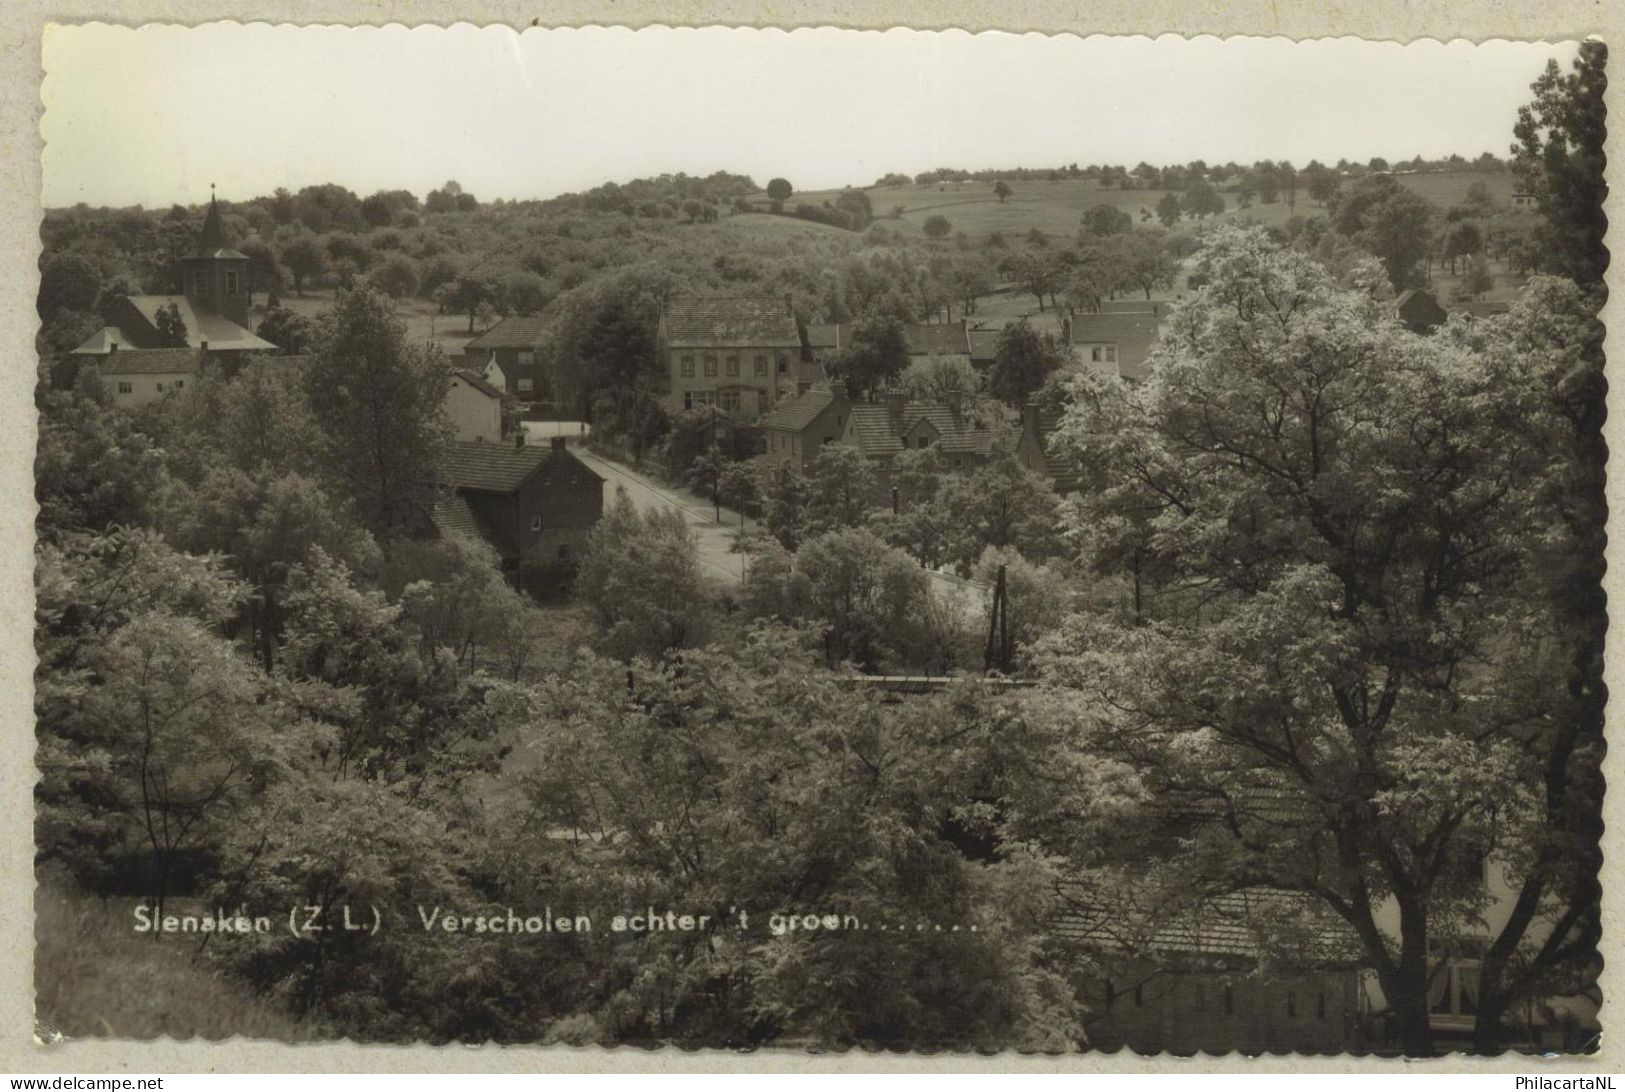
490	467
799	412
879	435
1247	924
101	341
500	467
730	320
220	332
1134	333
152	362
1058	467
478	384
514	332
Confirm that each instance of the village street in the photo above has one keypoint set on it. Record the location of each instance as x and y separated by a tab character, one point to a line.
713	541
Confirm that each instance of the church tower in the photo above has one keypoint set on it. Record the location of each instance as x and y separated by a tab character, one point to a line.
215	277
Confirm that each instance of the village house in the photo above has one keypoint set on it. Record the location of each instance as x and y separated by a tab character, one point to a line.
534	505
795	431
1521	200
1136	307
741	353
509	357
213	307
475	408
881	430
1113	342
1420	311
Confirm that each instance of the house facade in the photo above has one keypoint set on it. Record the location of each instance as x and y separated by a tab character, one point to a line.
475	408
739	353
509	357
534	505
1113	342
796	430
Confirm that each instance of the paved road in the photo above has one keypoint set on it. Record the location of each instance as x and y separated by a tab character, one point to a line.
714	540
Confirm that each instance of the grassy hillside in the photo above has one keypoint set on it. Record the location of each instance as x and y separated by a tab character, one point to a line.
94	977
1056	207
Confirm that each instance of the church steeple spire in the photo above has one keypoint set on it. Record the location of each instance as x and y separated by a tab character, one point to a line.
214	229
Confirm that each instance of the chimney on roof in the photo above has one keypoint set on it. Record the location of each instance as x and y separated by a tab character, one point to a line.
519	439
204	345
112	346
895	401
558	443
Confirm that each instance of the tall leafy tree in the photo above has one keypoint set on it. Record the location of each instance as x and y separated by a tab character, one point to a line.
1559	156
381	405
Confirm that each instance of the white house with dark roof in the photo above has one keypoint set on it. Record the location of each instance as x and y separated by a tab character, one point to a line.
740	353
475	408
796	430
1114	342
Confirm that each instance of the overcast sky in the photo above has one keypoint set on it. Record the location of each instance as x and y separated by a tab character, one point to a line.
152	116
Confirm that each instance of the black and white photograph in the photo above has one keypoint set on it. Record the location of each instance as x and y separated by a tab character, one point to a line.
820	540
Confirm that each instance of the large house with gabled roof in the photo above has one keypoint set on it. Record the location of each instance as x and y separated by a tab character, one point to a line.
510	354
740	353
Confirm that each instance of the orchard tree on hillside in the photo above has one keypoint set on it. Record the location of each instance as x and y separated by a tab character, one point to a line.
779	189
1352	532
1201	200
304	258
1104	219
381	405
936	226
1388	220
1168	209
1001	190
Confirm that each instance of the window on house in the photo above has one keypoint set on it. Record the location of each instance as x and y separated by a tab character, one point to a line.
784	363
730	401
1111	354
761	364
125	388
526	357
733	364
160	385
710	364
1291	1003
179	383
535	523
231	282
200	284
526	386
688	364
564	551
1097	353
1454	991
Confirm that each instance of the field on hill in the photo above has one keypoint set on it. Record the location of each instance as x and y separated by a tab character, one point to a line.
1056	207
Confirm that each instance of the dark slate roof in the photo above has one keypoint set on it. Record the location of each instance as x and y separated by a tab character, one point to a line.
478	384
798	412
152	362
212	239
514	332
1134	334
1245	924
730	320
1058	467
